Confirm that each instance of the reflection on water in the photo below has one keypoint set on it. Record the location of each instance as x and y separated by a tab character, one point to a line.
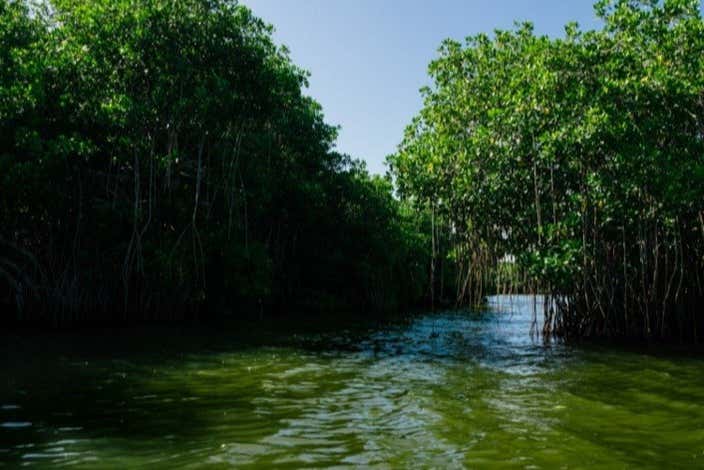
448	390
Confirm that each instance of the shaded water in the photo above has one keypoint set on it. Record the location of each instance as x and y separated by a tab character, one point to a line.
450	390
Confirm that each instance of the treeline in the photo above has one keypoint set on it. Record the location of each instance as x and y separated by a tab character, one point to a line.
158	161
573	167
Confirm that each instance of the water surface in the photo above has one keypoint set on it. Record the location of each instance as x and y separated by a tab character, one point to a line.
444	390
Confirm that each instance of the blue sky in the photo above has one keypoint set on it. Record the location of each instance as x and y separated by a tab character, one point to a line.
368	58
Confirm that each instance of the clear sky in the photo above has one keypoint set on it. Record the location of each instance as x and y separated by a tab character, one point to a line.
368	58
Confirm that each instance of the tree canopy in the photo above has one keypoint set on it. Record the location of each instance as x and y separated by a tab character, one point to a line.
160	159
580	157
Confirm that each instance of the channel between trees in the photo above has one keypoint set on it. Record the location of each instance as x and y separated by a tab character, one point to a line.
160	161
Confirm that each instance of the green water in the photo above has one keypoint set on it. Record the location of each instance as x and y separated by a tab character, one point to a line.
451	390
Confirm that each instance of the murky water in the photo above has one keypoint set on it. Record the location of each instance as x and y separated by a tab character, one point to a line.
452	390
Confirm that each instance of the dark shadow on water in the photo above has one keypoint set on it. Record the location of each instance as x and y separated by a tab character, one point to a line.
141	385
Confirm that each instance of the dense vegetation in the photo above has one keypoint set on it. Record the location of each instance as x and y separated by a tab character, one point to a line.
158	161
575	165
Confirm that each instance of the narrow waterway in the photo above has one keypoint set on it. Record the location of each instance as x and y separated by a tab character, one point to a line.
444	390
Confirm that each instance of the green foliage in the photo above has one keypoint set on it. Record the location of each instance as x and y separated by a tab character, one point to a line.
582	157
159	159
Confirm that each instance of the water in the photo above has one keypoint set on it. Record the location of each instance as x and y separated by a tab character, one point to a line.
450	390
